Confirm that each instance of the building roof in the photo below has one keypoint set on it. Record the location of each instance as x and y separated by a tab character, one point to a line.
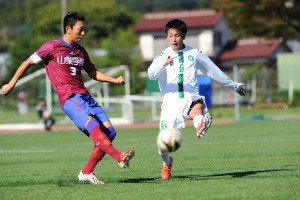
250	48
193	19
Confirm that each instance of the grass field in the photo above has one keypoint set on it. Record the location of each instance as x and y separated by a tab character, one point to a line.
248	160
10	117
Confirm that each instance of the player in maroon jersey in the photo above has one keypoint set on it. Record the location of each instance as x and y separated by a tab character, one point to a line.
64	58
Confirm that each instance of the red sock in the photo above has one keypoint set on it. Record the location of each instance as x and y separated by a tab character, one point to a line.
96	156
103	143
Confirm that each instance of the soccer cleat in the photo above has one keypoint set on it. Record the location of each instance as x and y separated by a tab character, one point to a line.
89	178
204	125
125	158
166	170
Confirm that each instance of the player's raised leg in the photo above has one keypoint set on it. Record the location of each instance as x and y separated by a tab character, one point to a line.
125	158
203	125
102	135
201	122
104	142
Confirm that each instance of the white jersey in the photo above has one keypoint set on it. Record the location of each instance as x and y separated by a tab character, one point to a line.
178	83
180	79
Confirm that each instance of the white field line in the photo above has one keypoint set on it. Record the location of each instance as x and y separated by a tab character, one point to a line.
38	151
26	151
150	146
21	126
246	142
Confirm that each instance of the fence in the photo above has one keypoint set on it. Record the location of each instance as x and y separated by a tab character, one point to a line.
19	106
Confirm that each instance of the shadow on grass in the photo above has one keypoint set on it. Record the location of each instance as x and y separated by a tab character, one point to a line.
233	174
63	182
70	181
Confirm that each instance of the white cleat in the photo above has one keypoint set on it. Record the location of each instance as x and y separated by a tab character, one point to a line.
89	178
204	125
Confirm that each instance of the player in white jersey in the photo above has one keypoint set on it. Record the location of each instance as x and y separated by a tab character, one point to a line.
176	70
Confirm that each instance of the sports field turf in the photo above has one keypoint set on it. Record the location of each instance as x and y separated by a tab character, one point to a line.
247	160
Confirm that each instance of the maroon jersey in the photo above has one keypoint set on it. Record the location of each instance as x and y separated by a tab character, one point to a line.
63	63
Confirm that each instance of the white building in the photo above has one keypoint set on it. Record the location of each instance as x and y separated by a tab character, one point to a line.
207	31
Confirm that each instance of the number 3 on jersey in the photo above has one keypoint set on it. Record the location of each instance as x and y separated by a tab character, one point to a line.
73	70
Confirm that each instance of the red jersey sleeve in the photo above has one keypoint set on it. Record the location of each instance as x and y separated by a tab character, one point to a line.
45	49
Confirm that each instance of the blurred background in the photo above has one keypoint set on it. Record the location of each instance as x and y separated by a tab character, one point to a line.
256	42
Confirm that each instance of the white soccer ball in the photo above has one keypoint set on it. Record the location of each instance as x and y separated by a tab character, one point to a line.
46	114
169	140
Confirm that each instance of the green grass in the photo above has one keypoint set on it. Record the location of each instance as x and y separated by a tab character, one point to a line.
142	113
248	160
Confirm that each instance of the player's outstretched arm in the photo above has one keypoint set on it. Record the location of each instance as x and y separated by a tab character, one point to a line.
99	76
7	88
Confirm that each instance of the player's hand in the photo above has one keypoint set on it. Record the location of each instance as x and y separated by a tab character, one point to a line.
170	61
6	89
242	90
120	80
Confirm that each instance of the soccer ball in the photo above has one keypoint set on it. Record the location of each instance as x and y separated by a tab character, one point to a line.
46	114
169	140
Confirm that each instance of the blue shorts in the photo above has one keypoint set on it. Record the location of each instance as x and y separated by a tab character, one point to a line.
79	106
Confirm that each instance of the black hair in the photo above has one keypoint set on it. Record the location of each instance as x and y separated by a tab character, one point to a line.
71	18
176	24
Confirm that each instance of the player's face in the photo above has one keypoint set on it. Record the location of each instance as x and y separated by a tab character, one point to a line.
175	39
42	102
77	32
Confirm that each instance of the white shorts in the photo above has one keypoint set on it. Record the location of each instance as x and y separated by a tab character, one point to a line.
174	111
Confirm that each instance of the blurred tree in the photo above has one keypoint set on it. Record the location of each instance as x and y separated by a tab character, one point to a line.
121	48
21	49
14	18
102	18
17	17
121	44
139	6
262	18
41	26
46	21
18	12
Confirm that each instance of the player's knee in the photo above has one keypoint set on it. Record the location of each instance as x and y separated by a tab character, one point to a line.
110	133
90	118
90	124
